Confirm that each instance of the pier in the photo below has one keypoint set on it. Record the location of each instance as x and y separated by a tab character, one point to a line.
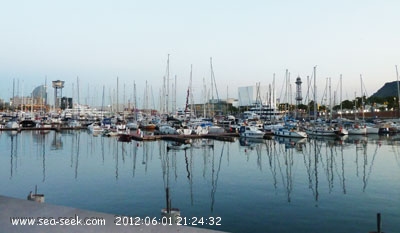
50	216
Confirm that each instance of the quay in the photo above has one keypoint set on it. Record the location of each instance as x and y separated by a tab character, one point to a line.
18	208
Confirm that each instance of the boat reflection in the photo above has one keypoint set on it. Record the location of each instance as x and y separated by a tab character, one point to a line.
314	164
168	161
57	143
13	151
202	142
297	143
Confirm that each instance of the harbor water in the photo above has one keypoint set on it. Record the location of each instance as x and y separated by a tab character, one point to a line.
272	185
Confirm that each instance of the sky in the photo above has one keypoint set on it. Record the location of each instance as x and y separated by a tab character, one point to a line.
93	43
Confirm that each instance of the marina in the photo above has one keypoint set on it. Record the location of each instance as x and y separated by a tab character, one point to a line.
314	184
223	116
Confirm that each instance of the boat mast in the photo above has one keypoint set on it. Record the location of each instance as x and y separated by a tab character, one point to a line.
123	102
315	94
273	100
286	98
134	99
270	103
398	90
189	94
227	97
152	99
31	104
362	98
212	91
330	99
213	82
78	105
117	95
286	92
205	97
341	105
175	94
13	96
167	94
162	101
22	96
146	99
102	104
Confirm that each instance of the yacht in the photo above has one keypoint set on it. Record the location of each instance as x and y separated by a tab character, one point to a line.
250	132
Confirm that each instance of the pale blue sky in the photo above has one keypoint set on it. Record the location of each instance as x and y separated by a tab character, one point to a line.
99	40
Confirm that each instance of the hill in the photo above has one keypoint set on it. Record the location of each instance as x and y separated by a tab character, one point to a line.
389	89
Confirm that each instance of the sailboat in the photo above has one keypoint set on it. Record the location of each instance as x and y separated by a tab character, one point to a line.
290	128
359	128
319	128
146	123
340	130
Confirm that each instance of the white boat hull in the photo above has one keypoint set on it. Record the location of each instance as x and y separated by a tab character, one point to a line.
357	131
250	132
290	133
12	125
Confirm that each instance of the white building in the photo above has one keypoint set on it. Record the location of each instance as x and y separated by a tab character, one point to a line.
256	94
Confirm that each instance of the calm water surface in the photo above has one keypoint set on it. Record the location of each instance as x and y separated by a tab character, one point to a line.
313	185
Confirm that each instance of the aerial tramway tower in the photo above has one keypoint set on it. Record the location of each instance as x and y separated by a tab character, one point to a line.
58	85
299	97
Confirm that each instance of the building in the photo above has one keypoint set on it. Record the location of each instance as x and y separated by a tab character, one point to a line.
66	103
260	95
39	95
36	101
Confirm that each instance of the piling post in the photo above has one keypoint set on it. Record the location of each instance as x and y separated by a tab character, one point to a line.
167	197
378	222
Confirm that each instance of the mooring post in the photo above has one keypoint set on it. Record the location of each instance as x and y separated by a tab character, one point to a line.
378	222
168	200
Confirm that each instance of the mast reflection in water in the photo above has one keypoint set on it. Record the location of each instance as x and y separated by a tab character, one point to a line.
277	185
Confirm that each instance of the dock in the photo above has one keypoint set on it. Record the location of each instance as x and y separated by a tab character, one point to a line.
48	219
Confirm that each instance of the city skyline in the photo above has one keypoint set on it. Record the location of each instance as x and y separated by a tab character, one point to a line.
249	42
